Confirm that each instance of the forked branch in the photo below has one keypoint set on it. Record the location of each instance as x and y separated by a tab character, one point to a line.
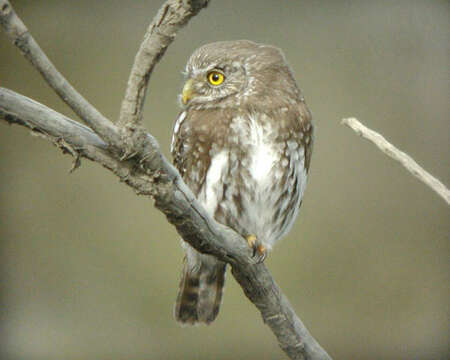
146	170
173	15
21	37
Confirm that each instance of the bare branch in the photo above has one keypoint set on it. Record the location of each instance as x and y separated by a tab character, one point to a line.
148	172
172	16
20	36
398	155
176	200
32	114
68	135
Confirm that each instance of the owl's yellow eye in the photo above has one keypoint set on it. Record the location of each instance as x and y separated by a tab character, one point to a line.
215	78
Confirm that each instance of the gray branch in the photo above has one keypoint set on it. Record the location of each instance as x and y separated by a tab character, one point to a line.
173	15
149	173
20	36
175	199
407	161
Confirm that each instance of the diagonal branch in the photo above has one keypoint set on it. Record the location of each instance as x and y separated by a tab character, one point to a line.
407	161
20	36
172	16
176	200
162	182
149	173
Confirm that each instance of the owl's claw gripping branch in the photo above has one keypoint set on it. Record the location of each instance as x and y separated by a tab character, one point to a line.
251	240
259	250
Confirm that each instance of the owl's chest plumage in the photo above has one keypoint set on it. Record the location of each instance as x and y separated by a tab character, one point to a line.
248	170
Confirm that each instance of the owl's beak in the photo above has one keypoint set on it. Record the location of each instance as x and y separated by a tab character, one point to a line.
188	91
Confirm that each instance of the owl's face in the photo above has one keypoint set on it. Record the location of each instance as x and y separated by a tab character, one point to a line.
229	73
210	81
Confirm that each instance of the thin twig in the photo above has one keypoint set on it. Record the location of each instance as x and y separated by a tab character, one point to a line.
398	155
172	16
20	36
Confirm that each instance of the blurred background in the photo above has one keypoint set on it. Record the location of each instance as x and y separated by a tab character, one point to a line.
89	270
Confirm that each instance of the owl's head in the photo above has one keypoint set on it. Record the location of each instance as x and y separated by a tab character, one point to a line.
230	73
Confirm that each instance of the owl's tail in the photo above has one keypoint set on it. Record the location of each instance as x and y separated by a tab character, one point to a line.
201	287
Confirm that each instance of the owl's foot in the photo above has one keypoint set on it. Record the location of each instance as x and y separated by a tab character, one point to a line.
259	250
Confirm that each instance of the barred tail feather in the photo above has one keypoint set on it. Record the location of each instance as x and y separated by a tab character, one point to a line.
210	294
187	298
200	293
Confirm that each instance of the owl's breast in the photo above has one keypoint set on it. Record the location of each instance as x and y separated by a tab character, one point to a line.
253	140
264	182
263	155
248	170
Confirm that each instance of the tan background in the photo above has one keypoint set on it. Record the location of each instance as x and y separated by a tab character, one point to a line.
90	270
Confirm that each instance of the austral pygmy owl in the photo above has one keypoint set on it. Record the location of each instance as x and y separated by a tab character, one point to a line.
242	143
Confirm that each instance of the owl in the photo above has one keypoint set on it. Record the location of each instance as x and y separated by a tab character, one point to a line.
242	143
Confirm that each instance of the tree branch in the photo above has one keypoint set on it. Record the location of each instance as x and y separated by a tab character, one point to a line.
175	199
149	173
172	16
20	36
398	155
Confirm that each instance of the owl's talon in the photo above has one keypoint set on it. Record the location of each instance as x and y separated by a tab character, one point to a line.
262	253
259	250
251	240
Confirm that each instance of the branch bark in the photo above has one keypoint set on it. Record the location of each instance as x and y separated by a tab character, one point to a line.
175	199
172	16
398	155
149	173
21	37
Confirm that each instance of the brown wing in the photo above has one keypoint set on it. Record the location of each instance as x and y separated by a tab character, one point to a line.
197	135
201	287
190	151
307	129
